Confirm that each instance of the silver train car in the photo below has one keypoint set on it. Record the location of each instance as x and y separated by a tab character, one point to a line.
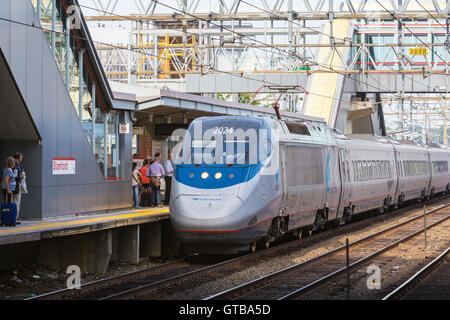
240	181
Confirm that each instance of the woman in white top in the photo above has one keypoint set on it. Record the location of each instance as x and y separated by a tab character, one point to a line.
135	183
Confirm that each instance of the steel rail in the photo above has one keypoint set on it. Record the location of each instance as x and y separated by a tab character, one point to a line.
190	276
291	245
92	285
417	278
337	273
223	294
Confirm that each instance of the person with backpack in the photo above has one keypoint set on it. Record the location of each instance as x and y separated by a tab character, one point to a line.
145	181
156	172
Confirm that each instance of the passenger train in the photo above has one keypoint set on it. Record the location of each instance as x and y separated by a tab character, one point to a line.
245	180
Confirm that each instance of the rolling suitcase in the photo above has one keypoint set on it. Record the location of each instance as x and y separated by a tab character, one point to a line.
8	214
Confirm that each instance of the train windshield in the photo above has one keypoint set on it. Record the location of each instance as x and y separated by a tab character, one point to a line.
227	141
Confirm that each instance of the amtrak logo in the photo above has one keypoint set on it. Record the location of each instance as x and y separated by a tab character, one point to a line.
207	199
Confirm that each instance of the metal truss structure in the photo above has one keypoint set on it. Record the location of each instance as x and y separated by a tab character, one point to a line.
397	48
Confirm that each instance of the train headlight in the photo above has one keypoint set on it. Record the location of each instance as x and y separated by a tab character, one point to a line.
205	175
218	175
191	175
231	175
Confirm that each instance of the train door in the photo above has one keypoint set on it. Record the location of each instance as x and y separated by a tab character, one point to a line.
430	172
283	176
332	182
398	177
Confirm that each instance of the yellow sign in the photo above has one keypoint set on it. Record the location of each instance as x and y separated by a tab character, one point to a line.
418	51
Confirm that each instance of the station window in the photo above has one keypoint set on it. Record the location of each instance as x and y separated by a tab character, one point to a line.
100	128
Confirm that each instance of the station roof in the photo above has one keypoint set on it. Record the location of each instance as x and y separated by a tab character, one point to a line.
167	102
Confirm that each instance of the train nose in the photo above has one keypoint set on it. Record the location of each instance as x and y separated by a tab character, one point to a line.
206	212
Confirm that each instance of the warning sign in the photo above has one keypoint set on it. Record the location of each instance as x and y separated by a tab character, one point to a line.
63	166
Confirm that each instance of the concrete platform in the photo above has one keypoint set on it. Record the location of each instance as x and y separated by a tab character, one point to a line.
39	230
91	242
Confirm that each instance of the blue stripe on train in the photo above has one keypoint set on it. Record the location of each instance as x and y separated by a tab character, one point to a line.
190	175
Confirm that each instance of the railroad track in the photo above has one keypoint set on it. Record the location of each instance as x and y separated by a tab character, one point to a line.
105	287
414	283
158	282
179	283
297	280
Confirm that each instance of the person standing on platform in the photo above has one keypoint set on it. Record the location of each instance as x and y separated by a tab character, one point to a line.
19	174
146	189
8	181
156	172
168	167
135	183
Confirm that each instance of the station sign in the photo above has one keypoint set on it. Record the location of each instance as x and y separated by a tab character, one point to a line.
63	166
418	51
138	131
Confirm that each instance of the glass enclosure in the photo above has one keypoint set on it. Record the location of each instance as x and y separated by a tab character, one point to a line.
102	133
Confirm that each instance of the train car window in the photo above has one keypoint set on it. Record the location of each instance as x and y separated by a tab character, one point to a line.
367	166
389	169
368	170
372	170
359	171
363	171
440	166
386	168
380	172
375	169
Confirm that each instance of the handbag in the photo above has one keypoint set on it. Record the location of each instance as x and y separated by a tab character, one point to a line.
156	184
138	182
23	186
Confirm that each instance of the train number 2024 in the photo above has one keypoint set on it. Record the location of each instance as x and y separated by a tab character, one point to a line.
223	130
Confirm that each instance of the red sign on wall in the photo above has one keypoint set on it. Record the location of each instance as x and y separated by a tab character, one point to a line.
63	166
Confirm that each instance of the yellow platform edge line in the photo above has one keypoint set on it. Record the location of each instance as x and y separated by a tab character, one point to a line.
47	225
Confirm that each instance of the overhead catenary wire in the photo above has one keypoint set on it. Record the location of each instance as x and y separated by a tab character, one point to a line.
151	55
283	52
404	25
329	36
